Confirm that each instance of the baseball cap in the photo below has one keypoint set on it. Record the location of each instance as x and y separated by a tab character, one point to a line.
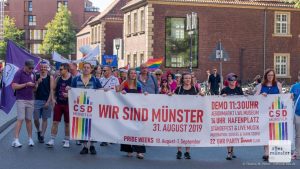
231	77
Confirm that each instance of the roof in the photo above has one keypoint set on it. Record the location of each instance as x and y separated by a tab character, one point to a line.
262	3
84	30
107	13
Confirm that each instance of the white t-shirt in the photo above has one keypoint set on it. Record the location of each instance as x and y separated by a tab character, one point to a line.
109	83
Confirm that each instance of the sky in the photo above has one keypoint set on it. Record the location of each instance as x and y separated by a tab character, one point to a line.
102	4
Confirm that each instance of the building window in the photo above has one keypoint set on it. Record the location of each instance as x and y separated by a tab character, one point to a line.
135	60
96	34
31	20
281	64
35	48
99	33
30	6
142	58
135	23
60	3
93	35
178	44
36	35
128	60
128	24
282	23
142	22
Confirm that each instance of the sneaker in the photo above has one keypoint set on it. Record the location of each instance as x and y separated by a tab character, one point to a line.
104	144
30	142
179	155
187	155
78	143
93	150
84	150
16	143
295	156
50	143
66	144
41	140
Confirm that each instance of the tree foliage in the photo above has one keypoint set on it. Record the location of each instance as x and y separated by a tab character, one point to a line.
61	35
10	32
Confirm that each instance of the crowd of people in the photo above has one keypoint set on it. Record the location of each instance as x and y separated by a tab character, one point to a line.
39	94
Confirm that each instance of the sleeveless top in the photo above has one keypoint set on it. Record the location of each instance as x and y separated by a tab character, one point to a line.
60	89
137	90
269	89
43	90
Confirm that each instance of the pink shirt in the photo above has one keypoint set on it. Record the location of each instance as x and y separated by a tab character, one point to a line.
173	85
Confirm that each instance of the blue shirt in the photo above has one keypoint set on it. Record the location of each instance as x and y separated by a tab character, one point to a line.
296	92
93	83
270	89
150	85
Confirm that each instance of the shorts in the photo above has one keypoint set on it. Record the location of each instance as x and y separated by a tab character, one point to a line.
59	110
40	111
25	109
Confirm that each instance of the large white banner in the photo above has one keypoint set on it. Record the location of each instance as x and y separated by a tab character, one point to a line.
195	121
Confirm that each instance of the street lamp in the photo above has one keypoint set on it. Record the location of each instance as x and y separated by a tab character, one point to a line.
191	27
118	44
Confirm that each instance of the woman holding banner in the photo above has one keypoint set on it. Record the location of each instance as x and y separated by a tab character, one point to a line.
270	85
131	85
186	88
231	89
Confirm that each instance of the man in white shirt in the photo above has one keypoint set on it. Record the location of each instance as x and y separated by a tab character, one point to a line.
108	81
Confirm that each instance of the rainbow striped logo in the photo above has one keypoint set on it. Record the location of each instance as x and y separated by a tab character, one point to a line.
277	104
278	130
81	129
83	99
81	126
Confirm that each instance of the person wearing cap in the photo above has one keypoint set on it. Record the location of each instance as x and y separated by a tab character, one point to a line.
43	100
230	90
24	85
214	82
178	79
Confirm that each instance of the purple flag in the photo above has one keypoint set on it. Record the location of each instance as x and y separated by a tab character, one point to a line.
15	60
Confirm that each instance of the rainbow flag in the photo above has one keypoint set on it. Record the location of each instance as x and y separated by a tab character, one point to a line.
154	64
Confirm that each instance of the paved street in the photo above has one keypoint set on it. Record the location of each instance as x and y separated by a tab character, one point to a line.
111	158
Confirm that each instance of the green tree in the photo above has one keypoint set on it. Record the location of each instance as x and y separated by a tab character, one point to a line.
61	35
296	2
10	32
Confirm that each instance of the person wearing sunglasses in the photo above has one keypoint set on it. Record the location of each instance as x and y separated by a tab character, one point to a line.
43	100
24	85
61	106
230	90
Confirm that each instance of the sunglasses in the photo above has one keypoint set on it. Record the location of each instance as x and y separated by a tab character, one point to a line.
61	69
31	68
157	74
104	70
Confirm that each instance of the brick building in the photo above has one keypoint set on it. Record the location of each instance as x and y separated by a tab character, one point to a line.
33	15
103	29
256	34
